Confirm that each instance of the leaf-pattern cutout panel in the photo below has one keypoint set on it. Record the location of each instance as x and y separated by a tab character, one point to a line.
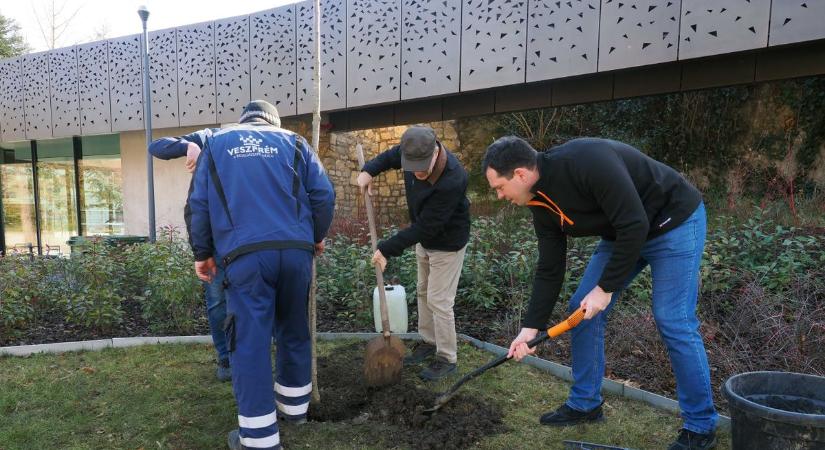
637	33
36	96
711	27
430	47
493	41
373	51
797	21
126	83
196	74
163	78
93	87
333	56
562	38
272	51
12	127
63	84
232	67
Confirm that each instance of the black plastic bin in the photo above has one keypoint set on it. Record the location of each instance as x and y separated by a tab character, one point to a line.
78	244
776	410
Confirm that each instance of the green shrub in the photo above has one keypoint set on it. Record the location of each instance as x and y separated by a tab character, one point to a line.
171	298
96	275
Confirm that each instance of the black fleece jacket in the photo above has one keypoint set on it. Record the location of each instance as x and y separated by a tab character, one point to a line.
608	189
439	212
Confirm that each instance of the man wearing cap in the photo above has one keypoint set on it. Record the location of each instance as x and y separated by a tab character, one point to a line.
262	201
435	184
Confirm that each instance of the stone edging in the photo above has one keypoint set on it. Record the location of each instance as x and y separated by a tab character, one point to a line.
553	368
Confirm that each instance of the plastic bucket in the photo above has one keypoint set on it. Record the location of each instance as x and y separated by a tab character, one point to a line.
776	410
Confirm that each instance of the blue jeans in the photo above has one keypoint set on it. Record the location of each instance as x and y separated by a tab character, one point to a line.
216	312
674	259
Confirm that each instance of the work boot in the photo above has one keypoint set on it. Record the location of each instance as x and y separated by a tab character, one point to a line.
234	440
420	351
566	416
438	369
224	371
688	440
293	421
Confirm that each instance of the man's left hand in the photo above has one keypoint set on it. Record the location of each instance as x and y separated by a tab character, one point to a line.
319	248
595	302
192	153
206	269
378	258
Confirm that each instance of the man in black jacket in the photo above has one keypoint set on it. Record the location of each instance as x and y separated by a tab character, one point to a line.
646	214
436	186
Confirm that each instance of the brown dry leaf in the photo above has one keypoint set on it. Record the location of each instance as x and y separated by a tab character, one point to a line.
89	369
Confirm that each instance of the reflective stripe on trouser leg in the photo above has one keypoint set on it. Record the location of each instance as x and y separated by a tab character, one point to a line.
293	359
251	298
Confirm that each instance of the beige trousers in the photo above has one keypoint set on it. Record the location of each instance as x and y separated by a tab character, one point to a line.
438	274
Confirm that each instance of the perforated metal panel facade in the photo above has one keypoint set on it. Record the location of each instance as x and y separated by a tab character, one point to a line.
333	56
12	126
93	87
126	83
63	85
196	74
636	33
373	51
430	47
163	75
797	21
710	27
493	43
232	67
562	38
272	52
36	96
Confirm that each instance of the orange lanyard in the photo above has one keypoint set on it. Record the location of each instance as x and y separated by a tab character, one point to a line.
552	207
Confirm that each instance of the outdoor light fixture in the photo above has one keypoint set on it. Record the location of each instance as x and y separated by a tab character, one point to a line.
143	12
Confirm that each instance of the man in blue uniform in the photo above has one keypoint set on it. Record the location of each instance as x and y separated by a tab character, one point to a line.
262	201
190	146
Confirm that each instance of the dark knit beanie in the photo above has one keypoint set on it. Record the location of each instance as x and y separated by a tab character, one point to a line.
260	109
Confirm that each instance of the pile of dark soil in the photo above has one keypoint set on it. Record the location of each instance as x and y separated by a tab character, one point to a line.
460	424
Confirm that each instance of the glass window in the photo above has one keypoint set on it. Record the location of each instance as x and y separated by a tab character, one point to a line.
17	187
101	192
56	189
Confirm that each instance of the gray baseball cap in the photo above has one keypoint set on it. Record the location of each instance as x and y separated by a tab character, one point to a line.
417	148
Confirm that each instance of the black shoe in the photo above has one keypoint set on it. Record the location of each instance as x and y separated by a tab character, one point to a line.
292	420
438	369
688	440
565	416
420	351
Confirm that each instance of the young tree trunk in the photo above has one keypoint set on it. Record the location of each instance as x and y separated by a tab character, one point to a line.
316	131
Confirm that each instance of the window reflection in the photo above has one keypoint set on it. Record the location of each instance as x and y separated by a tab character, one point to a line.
17	187
101	199
56	187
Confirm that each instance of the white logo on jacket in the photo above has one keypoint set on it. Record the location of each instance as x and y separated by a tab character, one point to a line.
250	146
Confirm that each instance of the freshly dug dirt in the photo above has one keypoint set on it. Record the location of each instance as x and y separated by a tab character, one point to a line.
346	398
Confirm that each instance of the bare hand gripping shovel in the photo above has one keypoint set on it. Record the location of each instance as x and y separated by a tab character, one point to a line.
555	331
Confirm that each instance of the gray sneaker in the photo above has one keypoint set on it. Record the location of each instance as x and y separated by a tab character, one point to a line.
234	440
420	351
438	369
224	371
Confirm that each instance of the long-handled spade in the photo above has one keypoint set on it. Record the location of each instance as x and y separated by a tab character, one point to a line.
556	330
383	361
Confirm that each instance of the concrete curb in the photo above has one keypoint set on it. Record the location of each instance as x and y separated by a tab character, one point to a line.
555	369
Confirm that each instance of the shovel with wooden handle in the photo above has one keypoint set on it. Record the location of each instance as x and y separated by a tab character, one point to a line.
556	330
383	361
